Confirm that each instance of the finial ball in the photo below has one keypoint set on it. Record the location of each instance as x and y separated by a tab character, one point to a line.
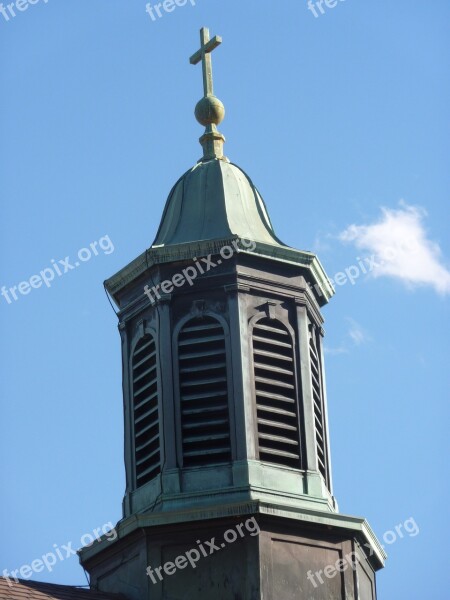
209	110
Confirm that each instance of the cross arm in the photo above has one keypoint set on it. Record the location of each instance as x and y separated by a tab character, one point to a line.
209	47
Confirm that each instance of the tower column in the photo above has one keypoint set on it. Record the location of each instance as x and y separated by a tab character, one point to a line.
122	327
239	354
169	472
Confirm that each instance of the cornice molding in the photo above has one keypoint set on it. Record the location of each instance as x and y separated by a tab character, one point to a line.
183	252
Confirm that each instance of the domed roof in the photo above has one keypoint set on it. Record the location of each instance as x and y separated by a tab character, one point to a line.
215	200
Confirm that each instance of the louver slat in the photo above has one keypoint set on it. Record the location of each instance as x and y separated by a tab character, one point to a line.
147	385
277	411
145	411
318	408
146	399
205	410
201	340
265	353
218	365
277	438
206	381
141	347
278	343
217	452
205	422
276	397
276	455
148	371
203	395
204	354
271	379
274	424
195	424
211	326
268	367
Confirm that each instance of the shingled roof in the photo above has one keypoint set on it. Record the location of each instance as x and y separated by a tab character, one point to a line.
35	590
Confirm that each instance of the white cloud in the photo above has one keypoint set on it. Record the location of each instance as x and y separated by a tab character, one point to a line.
399	241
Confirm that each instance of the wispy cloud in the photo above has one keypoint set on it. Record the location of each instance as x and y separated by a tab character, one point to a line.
321	243
335	351
400	243
356	333
355	336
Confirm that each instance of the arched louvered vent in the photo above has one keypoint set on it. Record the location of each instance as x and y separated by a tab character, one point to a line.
276	394
145	411
319	420
205	425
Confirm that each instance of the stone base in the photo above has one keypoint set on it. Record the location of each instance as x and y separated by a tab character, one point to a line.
252	553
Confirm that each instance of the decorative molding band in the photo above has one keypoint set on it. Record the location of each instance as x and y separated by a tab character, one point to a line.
236	287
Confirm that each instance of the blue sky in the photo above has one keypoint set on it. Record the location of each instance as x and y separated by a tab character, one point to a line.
341	120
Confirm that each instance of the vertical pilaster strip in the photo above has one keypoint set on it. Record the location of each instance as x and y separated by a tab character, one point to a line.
242	382
167	414
128	427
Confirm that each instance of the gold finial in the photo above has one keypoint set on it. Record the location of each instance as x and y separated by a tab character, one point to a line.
209	110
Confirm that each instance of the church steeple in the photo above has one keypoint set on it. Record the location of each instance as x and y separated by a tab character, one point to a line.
242	378
224	397
224	364
240	385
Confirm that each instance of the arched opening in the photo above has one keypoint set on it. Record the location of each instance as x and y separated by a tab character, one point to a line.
147	451
276	394
204	410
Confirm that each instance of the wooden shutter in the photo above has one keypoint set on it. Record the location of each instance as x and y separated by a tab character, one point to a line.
205	422
276	394
145	411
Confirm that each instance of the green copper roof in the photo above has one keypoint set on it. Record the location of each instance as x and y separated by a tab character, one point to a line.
215	200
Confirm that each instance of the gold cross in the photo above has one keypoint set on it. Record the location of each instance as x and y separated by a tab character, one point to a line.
204	55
